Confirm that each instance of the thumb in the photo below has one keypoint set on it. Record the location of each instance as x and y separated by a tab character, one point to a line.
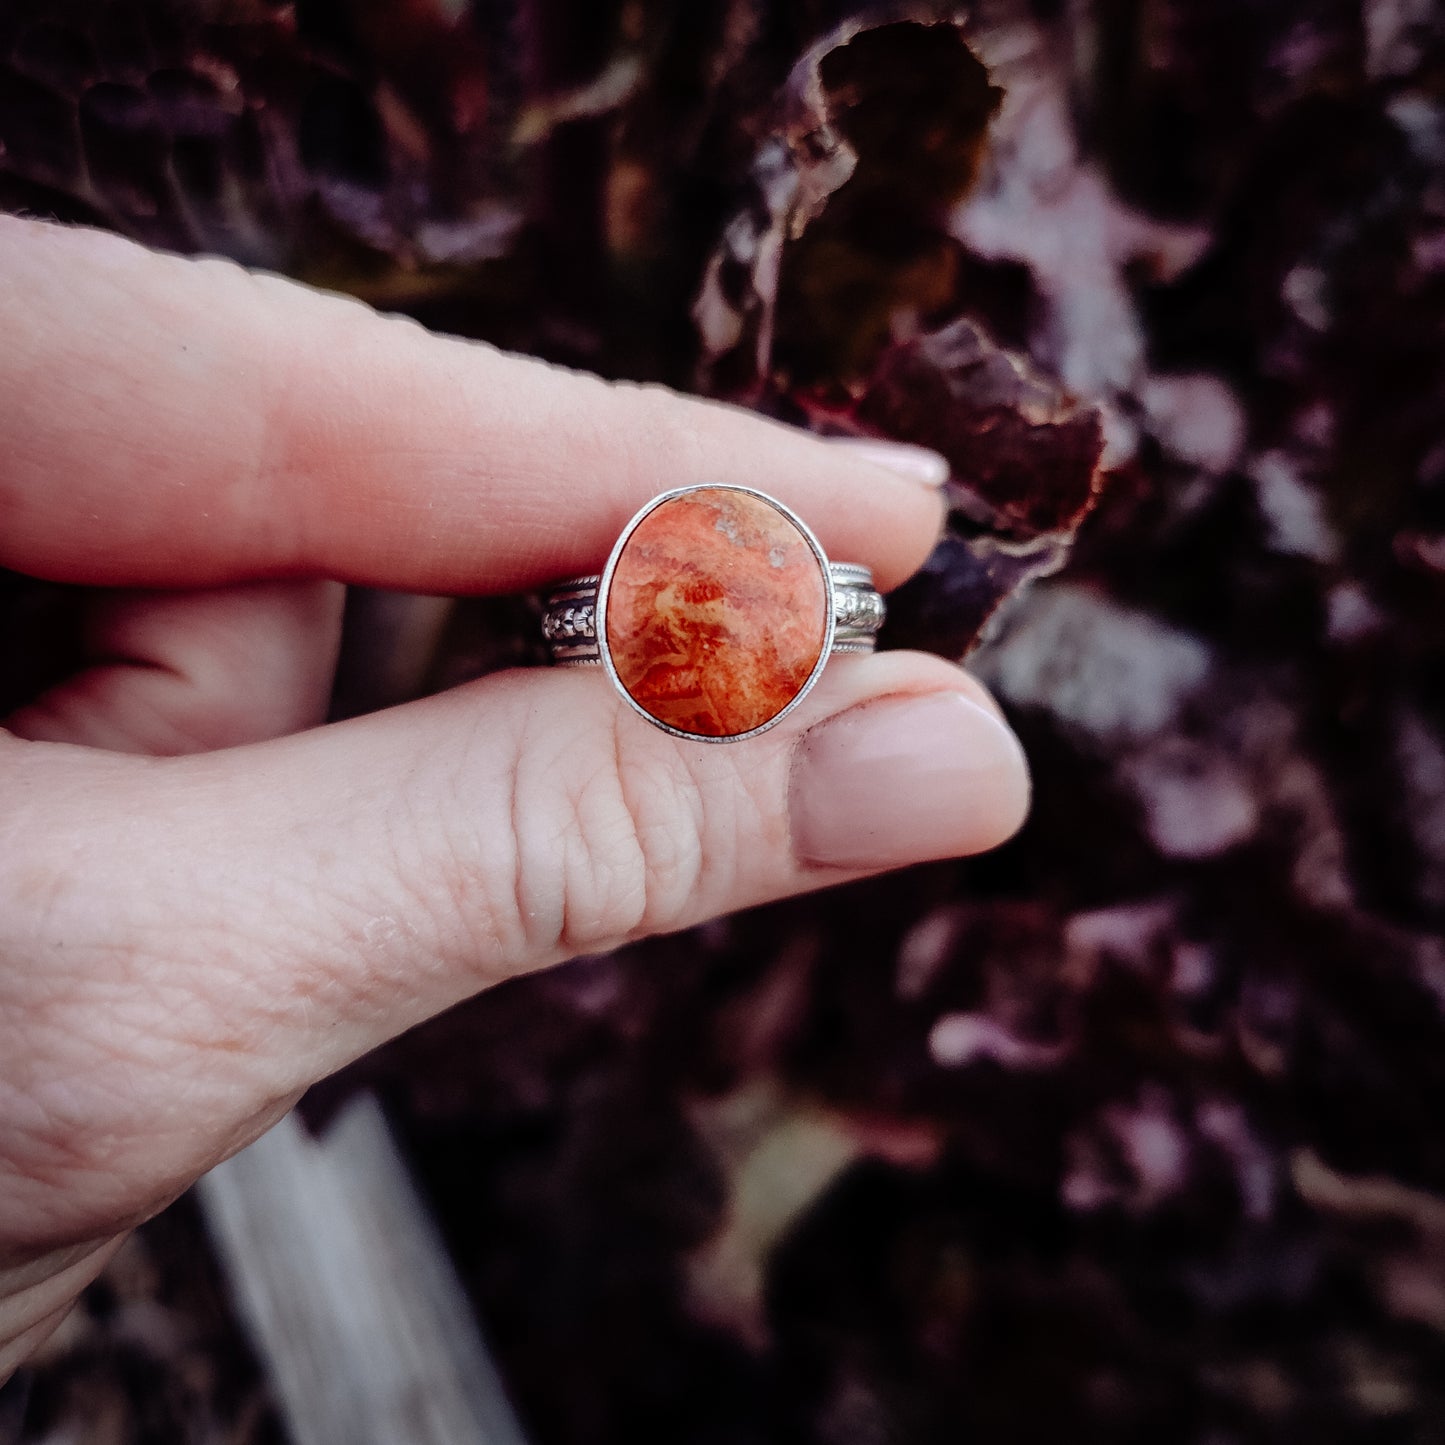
204	936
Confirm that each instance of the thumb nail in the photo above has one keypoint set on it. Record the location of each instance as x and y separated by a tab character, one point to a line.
905	780
916	464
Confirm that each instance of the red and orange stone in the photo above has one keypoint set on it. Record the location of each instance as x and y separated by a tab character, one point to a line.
717	612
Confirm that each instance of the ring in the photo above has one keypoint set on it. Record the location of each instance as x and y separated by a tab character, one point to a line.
715	614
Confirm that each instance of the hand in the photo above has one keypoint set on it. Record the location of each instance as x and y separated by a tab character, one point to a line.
189	939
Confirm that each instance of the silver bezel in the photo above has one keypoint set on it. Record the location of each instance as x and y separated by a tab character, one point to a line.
604	587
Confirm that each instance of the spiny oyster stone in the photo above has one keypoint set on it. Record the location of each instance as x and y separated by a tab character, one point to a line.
717	612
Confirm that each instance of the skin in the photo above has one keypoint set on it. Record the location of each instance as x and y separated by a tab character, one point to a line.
207	900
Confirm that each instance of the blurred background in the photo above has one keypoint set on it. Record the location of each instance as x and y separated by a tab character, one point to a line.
1132	1131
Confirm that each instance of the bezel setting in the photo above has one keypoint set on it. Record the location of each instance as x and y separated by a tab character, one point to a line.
604	588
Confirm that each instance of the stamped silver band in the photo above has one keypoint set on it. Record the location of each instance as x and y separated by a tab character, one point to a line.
569	613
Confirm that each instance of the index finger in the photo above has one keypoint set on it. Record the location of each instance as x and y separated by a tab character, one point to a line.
174	422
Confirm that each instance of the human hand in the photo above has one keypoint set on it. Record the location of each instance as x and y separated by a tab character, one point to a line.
189	939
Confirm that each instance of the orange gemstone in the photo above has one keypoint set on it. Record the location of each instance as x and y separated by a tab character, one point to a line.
717	612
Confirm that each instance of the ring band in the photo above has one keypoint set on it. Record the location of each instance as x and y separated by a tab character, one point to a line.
715	613
569	613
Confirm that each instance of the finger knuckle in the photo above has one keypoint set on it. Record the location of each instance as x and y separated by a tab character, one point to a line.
619	852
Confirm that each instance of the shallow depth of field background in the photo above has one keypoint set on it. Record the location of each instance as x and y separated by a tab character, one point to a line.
1134	1131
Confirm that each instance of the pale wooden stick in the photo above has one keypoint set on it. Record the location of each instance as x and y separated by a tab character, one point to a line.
348	1293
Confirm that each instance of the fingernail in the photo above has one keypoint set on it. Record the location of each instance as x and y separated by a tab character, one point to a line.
917	464
904	780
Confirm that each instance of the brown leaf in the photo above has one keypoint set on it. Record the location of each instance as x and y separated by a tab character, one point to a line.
879	130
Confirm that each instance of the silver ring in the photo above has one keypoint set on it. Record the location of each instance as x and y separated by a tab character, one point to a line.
715	614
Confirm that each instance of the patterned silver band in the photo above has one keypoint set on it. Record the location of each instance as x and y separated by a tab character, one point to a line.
569	613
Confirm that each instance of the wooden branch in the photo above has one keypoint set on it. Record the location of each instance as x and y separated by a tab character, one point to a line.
348	1293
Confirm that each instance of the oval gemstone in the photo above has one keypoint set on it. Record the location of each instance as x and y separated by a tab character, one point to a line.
717	612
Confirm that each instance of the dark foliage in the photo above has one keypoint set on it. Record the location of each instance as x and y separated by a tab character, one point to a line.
1132	1131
